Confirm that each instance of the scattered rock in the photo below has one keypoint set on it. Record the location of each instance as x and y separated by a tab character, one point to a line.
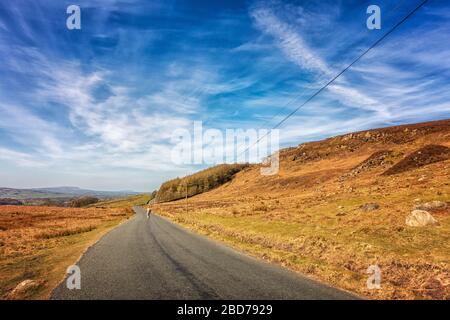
370	206
381	158
433	205
23	287
420	218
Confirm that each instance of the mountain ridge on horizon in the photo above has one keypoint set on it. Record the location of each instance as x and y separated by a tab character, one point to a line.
59	192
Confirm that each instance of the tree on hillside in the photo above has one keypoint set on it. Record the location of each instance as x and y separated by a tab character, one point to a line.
82	201
197	183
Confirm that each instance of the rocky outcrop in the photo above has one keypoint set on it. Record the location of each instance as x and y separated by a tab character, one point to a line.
422	157
420	218
23	288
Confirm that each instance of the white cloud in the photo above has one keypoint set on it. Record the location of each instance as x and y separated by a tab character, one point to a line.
295	48
122	131
127	133
120	124
289	41
20	158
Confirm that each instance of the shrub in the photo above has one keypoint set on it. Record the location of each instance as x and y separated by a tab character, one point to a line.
82	201
12	202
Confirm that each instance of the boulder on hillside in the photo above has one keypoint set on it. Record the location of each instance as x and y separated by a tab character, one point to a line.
432	205
370	206
23	288
420	218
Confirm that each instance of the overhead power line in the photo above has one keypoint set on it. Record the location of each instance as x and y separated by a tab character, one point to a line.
340	73
297	97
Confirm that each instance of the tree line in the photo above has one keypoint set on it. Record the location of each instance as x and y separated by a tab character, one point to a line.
197	183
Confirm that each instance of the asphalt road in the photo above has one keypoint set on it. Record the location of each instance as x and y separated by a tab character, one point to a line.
156	259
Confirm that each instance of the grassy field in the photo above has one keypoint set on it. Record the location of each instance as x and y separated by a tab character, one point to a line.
311	217
39	243
128	202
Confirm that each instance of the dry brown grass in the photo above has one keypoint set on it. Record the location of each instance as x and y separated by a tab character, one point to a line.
39	243
127	202
308	217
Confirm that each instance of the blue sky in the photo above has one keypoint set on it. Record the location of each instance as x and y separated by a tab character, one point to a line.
97	107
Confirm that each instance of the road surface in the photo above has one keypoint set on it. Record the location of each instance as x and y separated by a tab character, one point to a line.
156	259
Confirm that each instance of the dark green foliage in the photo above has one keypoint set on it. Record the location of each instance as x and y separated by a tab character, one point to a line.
12	202
82	202
199	182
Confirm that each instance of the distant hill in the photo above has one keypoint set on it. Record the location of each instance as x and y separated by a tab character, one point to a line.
59	192
84	192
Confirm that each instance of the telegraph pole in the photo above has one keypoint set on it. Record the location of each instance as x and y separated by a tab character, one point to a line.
186	197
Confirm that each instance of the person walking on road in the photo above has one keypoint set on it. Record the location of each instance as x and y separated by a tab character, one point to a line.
148	212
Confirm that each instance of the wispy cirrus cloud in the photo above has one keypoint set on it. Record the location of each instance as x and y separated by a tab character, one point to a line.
295	48
380	85
20	158
97	107
289	41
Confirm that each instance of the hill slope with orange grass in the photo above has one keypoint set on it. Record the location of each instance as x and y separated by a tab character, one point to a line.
37	244
338	206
